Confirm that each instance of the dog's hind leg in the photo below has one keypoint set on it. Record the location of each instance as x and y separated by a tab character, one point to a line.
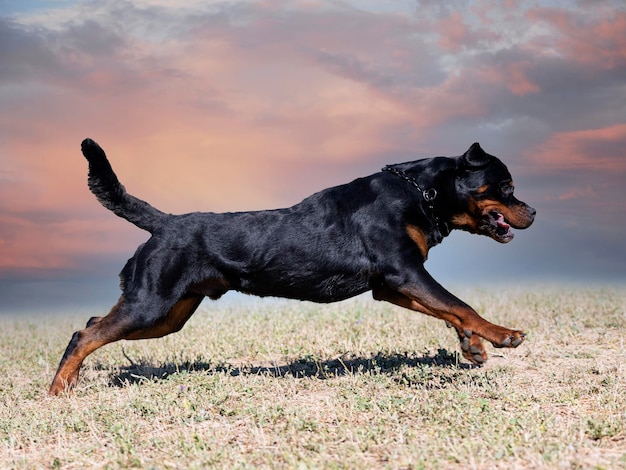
175	319
125	321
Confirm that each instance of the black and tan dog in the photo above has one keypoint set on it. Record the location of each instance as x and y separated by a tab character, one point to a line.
371	234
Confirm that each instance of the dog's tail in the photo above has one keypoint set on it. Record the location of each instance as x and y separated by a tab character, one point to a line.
112	195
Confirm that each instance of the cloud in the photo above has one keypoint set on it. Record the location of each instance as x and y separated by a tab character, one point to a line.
577	193
589	149
249	105
455	34
49	239
592	35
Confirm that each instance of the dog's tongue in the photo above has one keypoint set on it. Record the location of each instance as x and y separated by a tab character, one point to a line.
501	223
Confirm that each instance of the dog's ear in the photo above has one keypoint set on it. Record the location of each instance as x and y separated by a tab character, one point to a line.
475	157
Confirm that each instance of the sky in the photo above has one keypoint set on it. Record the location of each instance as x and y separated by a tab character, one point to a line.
246	104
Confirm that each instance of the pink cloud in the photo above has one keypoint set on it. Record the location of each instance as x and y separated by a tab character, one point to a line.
512	76
515	76
577	193
453	31
455	34
591	149
40	241
595	38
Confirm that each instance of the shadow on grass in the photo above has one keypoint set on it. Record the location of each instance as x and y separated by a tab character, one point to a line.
380	363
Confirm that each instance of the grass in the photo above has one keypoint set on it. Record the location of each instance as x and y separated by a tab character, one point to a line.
359	384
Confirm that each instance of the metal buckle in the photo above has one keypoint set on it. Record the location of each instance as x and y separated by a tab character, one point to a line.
429	194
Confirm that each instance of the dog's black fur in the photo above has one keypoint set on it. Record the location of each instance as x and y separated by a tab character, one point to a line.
371	234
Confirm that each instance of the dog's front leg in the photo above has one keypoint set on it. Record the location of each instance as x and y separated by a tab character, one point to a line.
471	345
423	294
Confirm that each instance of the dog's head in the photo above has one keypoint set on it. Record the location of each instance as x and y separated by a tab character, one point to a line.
485	190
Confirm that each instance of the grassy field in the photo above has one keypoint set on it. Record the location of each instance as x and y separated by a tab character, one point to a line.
358	384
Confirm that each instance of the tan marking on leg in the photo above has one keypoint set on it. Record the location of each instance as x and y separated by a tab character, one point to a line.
173	321
463	318
112	328
83	343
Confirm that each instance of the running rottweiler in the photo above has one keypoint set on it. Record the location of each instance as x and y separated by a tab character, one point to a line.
371	234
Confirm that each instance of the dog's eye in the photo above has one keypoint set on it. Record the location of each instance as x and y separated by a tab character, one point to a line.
506	188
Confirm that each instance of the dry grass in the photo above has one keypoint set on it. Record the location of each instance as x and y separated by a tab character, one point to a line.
358	384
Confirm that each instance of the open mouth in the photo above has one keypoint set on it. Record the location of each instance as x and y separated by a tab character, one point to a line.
496	226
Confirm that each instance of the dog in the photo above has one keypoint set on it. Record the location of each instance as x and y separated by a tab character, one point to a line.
372	234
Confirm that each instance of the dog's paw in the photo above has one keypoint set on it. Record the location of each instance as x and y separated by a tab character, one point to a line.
472	347
512	340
